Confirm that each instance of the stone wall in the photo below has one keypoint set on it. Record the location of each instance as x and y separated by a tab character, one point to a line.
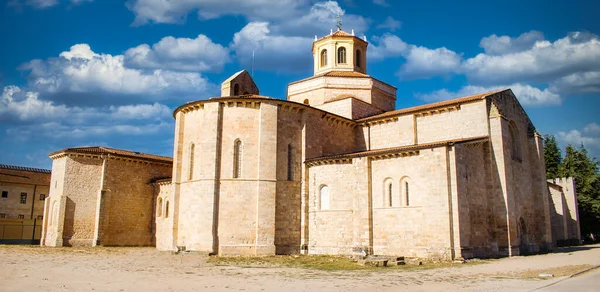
414	224
564	212
34	185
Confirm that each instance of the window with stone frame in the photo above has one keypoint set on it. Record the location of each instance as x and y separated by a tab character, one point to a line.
388	191
167	209
5	194
191	166
237	158
324	198
23	199
290	161
406	191
515	141
323	58
21	216
358	60
341	55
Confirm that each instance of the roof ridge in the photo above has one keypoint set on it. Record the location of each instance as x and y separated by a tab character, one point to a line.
24	168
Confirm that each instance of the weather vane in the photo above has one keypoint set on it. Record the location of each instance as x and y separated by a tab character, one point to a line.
339	21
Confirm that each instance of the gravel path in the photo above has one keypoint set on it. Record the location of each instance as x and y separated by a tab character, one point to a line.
30	268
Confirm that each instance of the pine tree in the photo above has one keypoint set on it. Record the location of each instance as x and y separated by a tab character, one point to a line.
552	156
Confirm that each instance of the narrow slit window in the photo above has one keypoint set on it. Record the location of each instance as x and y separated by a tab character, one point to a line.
23	198
407	193
237	159
324	198
358	59
390	195
290	160
167	209
192	149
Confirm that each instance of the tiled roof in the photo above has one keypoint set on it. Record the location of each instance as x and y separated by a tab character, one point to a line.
24	168
344	74
433	105
118	152
337	74
397	149
341	33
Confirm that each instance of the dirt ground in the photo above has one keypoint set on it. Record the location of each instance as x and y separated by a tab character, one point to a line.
33	268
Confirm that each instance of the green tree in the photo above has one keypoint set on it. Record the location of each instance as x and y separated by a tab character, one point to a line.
552	156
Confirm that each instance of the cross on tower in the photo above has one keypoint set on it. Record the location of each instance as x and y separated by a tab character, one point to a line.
339	21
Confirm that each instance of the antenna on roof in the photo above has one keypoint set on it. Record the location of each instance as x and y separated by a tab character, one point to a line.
252	64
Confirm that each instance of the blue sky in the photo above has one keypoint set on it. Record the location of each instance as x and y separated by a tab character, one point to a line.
85	72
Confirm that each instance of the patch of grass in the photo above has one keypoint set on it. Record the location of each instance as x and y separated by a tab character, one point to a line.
534	274
317	262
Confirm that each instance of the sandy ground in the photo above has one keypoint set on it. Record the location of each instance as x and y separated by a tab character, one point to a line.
31	268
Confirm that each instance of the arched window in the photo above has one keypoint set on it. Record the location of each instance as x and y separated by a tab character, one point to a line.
237	158
167	209
236	89
406	190
290	161
407	193
306	102
341	55
323	58
324	198
388	190
515	140
358	60
159	208
191	167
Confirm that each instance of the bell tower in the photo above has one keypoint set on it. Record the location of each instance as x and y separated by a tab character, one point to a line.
339	51
340	84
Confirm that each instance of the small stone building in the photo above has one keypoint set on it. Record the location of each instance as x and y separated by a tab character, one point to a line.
23	191
564	213
334	169
102	196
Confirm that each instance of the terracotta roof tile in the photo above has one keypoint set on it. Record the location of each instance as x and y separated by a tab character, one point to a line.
432	105
24	168
118	152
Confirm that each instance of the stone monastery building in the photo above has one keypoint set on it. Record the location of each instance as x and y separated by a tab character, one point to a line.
334	169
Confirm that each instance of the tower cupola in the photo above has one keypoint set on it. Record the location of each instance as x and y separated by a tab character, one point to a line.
339	51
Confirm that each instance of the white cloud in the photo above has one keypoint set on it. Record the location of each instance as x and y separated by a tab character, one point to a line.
387	46
29	117
80	70
390	23
526	94
592	129
581	82
286	17
543	62
271	52
319	19
422	62
18	106
162	11
589	137
185	54
501	45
